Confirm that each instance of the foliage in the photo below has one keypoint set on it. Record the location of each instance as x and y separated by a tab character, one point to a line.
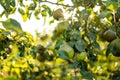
94	56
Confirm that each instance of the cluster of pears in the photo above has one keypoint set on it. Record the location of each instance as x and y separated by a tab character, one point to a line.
42	55
110	36
62	25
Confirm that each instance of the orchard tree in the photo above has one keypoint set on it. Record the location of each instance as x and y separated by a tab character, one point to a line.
86	45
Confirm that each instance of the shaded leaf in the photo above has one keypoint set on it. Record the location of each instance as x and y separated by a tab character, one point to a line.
96	45
104	14
80	45
58	43
87	75
92	36
62	54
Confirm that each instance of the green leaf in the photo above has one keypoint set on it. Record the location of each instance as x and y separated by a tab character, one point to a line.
62	54
10	78
5	4
21	11
71	43
82	65
32	6
1	66
75	64
87	75
104	14
51	21
96	45
92	36
36	14
111	5
47	9
110	49
80	45
58	43
12	24
85	14
12	3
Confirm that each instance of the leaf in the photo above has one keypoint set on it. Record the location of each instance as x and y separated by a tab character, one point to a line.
21	11
92	56
82	65
96	45
110	49
80	45
9	78
32	6
58	43
104	14
71	43
47	9
1	66
12	24
92	36
6	5
111	5
75	64
62	54
36	14
12	3
51	21
87	75
25	17
85	14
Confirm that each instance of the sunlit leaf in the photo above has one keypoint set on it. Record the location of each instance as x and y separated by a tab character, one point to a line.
21	11
12	24
36	14
50	22
111	5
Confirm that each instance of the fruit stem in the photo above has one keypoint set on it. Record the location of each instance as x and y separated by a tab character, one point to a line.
114	17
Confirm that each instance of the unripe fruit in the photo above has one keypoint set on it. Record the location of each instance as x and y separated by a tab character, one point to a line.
116	46
57	14
40	49
109	35
68	50
62	26
81	56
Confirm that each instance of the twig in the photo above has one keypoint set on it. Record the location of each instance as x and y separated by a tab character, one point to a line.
56	3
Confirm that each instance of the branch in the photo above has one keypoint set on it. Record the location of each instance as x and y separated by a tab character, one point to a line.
56	3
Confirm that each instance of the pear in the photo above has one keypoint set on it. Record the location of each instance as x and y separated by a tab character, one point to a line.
81	56
116	46
57	14
62	26
69	51
109	35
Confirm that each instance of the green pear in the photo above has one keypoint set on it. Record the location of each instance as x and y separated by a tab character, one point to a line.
68	49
